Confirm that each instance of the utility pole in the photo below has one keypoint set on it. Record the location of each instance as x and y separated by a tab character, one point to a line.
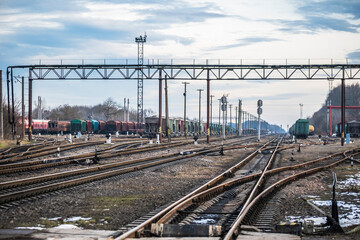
208	107
259	112
128	110
230	128
185	125
124	109
223	108
160	106
30	106
22	109
1	109
39	108
168	132
140	111
239	121
343	107
219	115
211	115
236	120
200	90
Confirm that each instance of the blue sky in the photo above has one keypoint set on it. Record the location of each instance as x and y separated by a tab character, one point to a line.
182	30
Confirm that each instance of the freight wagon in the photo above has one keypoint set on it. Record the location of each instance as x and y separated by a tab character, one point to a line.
300	129
77	125
352	127
55	127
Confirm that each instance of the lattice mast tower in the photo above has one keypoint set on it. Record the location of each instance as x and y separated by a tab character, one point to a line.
140	109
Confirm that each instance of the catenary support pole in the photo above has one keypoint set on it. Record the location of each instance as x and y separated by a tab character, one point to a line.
12	116
219	116
199	126
343	107
124	110
236	121
160	105
185	125
22	108
168	132
211	114
30	106
239	120
208	107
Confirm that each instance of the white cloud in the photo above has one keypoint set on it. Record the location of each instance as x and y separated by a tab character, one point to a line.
248	30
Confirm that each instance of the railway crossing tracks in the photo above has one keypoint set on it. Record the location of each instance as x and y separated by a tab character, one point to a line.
221	206
19	189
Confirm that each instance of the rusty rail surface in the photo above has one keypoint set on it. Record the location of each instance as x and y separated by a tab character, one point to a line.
101	154
233	232
52	187
211	189
170	209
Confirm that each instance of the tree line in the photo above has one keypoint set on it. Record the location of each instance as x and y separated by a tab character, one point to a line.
108	110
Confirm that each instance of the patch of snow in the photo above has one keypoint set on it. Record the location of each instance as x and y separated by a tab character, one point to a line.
67	226
31	228
75	219
321	203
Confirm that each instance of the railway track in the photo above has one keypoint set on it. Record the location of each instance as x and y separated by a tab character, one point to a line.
96	155
222	205
19	189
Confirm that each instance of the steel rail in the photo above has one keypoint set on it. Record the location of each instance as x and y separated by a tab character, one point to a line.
32	180
228	185
40	164
254	191
210	188
52	150
47	163
218	179
4	198
102	154
233	232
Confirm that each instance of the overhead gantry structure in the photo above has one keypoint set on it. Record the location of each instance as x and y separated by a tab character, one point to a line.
153	70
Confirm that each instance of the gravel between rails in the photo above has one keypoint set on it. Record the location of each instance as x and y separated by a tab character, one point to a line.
117	201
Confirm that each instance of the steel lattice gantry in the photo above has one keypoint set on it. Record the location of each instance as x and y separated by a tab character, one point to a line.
181	72
193	72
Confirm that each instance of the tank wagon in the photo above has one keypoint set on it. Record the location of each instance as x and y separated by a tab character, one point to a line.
311	130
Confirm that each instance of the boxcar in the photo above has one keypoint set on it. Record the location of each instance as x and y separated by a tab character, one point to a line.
77	125
300	129
102	125
89	126
172	126
40	126
353	128
124	127
181	126
112	126
56	127
131	127
95	126
142	128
